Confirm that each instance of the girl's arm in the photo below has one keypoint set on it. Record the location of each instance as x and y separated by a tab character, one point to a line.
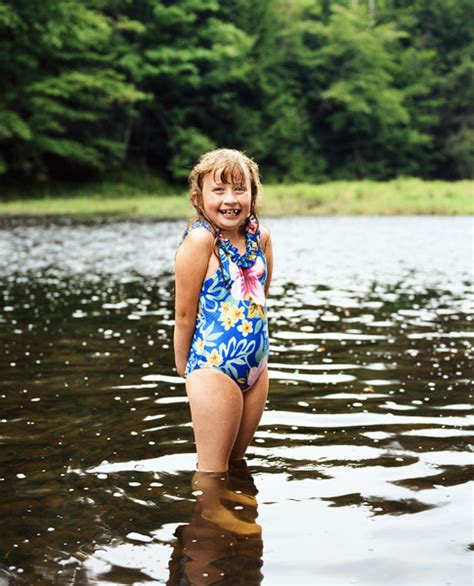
192	260
268	251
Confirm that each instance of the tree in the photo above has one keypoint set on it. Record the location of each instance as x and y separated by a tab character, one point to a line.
442	29
349	68
313	89
190	61
63	98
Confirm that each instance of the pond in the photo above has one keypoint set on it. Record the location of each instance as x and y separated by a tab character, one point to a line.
359	472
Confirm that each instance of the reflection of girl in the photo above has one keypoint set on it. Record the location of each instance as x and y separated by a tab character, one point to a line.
222	543
223	271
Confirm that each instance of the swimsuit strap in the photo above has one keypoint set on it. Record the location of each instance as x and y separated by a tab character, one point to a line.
199	224
252	243
252	228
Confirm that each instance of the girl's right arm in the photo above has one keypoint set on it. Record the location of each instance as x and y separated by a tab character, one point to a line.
192	260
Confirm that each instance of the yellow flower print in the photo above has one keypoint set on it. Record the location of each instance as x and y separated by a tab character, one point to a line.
236	313
231	315
214	359
200	346
227	322
245	327
256	310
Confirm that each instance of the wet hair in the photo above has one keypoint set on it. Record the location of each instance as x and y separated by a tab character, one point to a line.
228	166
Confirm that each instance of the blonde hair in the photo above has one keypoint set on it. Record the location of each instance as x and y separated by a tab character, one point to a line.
230	164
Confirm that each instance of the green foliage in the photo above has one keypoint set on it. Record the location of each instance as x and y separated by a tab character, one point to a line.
313	89
188	145
460	147
12	125
442	29
70	102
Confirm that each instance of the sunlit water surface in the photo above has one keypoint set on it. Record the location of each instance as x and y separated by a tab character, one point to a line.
360	471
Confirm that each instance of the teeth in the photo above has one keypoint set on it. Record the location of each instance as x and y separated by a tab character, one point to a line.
230	212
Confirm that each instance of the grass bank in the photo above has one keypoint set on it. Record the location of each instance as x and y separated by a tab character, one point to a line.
156	199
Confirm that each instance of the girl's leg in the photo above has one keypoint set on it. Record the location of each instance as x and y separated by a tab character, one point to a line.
212	496
254	404
216	404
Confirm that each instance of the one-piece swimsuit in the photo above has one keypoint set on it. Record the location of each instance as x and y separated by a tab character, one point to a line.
231	333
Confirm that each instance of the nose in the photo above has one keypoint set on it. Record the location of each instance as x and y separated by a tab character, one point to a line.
229	195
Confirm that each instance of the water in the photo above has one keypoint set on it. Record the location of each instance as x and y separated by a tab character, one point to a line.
360	471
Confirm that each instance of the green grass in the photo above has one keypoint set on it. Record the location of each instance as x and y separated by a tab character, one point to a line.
152	197
167	206
396	197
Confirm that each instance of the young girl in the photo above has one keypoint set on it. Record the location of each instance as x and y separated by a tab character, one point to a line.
223	272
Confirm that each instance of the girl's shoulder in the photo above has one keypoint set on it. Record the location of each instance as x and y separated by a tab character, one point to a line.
194	251
264	233
194	227
197	240
264	237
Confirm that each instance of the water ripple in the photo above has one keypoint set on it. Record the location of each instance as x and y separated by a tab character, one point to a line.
364	452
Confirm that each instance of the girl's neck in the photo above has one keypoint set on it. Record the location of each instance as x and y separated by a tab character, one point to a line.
235	236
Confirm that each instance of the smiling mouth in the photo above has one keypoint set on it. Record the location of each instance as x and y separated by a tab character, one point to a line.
232	212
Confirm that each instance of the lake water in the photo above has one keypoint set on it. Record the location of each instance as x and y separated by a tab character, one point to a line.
360	472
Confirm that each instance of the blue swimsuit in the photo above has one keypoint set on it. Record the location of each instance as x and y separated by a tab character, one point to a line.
231	331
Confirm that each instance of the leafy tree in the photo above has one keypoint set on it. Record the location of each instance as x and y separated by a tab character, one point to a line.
313	89
443	29
189	61
271	121
63	97
349	68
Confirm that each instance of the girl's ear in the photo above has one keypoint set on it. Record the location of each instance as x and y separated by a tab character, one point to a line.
194	199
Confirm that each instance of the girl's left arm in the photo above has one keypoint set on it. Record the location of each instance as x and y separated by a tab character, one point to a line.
268	252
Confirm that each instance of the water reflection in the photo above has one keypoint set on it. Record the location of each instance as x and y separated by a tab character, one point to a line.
364	454
222	544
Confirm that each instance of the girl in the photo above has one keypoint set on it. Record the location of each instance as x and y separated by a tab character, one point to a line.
223	272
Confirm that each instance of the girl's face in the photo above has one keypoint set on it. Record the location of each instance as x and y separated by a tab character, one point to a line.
226	200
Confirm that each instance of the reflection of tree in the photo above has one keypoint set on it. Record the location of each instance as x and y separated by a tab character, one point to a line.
222	544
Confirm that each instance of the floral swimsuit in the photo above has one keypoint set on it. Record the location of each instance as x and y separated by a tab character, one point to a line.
231	331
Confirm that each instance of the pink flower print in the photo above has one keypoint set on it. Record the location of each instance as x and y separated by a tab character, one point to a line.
252	227
255	372
246	282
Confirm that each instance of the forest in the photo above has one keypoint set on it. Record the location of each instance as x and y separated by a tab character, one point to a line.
314	90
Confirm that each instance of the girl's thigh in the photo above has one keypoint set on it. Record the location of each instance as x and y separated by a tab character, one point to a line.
254	404
216	404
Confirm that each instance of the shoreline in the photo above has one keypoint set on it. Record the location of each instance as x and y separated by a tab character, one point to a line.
399	197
